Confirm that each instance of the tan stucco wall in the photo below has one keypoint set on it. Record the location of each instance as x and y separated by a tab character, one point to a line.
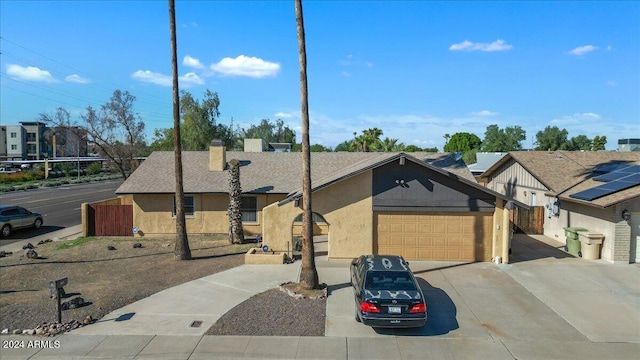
152	214
347	208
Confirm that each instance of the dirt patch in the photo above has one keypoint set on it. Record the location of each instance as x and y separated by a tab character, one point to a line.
106	279
273	313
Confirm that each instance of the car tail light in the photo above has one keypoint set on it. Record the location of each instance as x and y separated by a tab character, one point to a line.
418	308
369	307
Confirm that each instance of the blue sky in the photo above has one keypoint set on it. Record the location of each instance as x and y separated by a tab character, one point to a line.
416	69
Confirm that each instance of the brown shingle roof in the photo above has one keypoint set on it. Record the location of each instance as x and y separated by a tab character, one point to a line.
569	172
266	172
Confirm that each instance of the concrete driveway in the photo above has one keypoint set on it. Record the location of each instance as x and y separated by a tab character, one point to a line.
545	296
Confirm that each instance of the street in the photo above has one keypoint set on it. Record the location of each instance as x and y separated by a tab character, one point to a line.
59	206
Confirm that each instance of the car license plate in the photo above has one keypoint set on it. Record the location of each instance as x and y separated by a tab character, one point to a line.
394	310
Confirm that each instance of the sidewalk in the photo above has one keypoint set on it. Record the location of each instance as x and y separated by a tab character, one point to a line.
68	233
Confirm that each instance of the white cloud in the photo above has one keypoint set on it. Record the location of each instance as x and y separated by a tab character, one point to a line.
151	77
190	78
484	113
77	79
498	45
581	50
192	62
283	115
29	73
246	66
345	73
612	83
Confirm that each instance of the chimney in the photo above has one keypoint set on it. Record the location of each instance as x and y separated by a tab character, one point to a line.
217	156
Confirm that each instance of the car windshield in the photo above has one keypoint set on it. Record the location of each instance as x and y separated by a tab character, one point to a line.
389	280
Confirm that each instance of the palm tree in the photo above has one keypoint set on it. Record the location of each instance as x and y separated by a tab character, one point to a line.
388	145
181	250
236	232
308	273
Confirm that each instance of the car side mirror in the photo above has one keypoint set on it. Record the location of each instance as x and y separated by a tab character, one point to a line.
354	262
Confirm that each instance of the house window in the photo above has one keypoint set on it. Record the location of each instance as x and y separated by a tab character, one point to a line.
14	147
315	218
249	209
189	206
14	135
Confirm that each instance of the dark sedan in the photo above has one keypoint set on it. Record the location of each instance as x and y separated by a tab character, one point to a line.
17	217
386	292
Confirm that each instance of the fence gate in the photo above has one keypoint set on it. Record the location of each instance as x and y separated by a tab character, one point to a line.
110	220
529	221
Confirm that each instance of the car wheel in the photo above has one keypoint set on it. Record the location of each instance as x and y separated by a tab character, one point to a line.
38	223
357	316
6	231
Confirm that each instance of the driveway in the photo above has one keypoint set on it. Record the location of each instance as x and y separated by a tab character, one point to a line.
545	295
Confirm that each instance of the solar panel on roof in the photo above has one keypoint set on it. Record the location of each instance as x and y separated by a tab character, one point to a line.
625	181
590	194
604	169
619	173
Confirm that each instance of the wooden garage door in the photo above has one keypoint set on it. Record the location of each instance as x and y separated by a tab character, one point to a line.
434	236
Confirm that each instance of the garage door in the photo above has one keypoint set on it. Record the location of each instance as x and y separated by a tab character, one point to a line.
434	236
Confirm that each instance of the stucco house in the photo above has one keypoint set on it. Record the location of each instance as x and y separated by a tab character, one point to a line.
557	180
420	205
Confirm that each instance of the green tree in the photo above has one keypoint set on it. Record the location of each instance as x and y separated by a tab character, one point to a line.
469	157
368	141
552	138
344	146
580	142
389	145
598	143
198	125
462	142
412	148
507	139
270	132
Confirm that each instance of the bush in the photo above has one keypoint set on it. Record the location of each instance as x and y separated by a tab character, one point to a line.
94	168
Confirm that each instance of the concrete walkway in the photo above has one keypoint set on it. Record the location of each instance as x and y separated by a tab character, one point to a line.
545	305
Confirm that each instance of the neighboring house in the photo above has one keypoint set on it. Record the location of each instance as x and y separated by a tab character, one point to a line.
628	144
421	205
553	179
484	160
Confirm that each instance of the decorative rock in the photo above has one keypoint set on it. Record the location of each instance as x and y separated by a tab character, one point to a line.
16	332
44	241
72	304
137	245
31	254
5	253
111	247
28	246
88	320
4	331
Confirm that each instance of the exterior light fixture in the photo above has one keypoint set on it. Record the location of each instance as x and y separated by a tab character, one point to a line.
626	215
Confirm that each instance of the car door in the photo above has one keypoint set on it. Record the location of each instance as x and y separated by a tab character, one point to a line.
22	217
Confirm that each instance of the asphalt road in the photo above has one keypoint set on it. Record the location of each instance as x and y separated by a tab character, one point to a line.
59	206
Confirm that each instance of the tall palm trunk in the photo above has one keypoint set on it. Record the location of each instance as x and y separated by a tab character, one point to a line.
181	250
309	273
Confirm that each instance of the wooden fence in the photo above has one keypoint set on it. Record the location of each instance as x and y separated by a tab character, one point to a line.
529	221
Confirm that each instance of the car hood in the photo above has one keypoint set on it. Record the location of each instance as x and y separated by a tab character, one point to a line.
390	295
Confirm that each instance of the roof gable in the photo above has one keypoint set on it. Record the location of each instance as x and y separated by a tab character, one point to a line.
568	172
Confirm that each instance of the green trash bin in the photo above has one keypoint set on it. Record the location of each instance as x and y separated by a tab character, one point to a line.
573	243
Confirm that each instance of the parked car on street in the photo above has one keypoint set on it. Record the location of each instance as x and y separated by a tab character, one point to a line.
17	217
386	292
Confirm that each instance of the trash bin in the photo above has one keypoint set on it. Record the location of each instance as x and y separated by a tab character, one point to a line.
573	243
590	243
